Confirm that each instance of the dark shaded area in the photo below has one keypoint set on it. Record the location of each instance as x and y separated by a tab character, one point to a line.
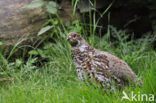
132	16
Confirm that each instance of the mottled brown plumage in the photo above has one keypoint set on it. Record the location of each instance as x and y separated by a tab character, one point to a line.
100	66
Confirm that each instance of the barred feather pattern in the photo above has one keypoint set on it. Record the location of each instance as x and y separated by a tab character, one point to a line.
98	66
88	63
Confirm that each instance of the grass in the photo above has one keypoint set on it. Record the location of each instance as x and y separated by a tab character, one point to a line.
56	81
49	76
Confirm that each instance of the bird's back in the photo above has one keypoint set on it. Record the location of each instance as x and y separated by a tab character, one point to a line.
118	69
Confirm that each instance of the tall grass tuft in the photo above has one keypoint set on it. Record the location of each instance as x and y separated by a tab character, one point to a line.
49	76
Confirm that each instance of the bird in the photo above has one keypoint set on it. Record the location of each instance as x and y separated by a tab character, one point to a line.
97	66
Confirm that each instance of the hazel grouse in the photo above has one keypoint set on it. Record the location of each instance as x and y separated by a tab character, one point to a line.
99	66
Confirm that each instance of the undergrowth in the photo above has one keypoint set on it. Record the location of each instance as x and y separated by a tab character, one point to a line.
48	74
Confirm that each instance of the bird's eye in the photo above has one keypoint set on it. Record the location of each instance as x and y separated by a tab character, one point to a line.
74	36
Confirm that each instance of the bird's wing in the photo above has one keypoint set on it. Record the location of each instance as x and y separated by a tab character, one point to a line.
120	69
100	61
101	64
115	67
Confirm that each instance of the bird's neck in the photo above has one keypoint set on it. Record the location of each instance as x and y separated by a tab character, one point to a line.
84	47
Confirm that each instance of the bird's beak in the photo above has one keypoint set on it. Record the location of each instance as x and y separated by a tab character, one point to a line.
67	39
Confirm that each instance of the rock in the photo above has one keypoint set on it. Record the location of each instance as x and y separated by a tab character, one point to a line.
19	23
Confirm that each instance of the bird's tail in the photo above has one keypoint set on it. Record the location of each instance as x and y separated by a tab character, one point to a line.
140	82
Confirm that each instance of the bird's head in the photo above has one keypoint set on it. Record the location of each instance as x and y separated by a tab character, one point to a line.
75	39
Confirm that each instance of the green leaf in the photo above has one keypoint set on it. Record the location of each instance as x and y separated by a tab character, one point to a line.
1	43
42	53
18	62
33	52
52	7
35	5
55	22
43	30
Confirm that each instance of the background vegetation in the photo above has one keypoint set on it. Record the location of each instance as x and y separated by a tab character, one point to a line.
46	74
